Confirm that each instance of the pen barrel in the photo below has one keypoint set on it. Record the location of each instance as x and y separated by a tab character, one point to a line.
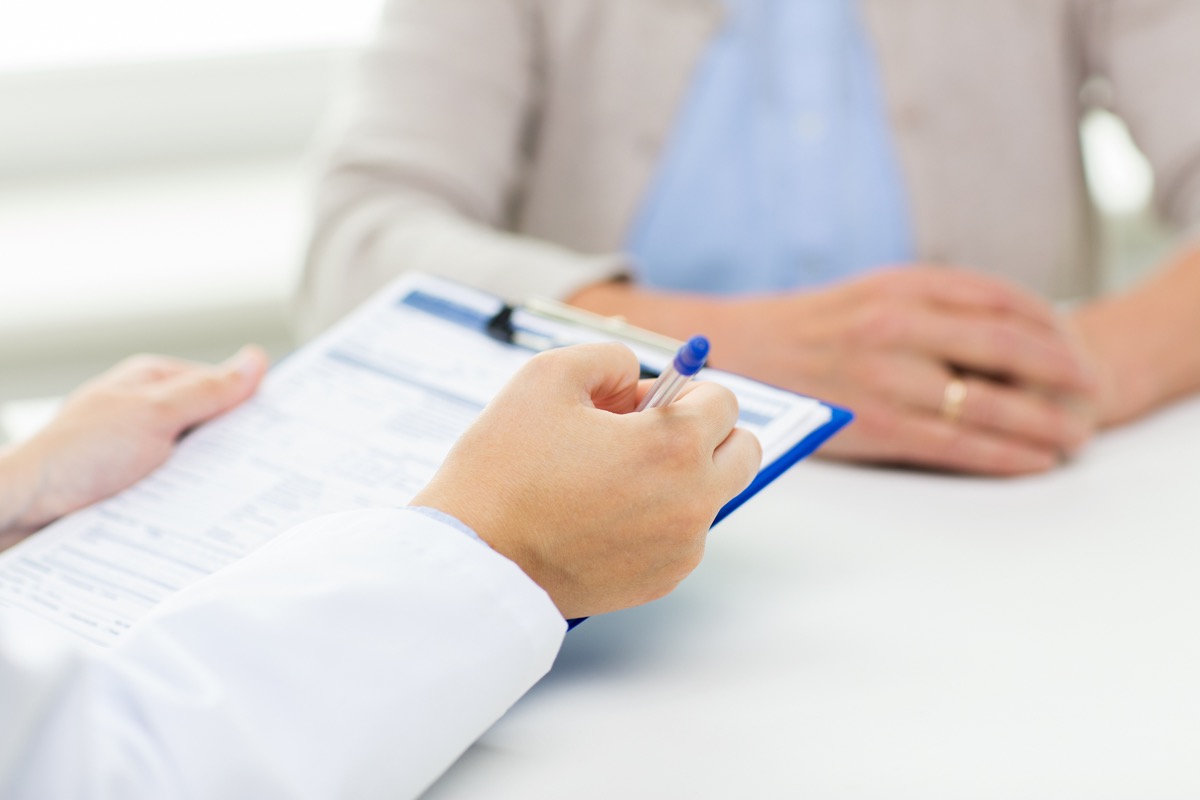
665	389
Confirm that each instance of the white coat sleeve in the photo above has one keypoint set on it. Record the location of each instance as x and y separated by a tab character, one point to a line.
356	656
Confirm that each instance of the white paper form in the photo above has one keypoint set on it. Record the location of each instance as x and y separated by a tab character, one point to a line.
360	418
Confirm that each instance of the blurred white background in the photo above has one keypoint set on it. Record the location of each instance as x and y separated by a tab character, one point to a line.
152	176
153	183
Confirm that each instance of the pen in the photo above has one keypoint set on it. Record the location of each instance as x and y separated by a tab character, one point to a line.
670	383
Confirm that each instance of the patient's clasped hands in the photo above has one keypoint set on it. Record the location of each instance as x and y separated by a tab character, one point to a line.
889	345
892	344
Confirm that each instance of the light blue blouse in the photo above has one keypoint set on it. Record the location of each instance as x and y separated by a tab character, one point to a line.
781	171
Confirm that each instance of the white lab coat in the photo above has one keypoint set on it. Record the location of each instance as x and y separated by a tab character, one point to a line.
356	656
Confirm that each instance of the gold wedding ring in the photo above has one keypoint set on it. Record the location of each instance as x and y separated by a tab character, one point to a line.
953	400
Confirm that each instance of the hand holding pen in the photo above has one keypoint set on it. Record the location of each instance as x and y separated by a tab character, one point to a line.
653	485
683	367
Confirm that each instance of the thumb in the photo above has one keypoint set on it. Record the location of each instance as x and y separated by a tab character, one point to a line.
201	393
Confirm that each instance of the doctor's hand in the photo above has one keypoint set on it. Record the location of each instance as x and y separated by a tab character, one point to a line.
605	509
114	431
893	346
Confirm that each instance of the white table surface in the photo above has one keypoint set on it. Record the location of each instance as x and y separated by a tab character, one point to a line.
863	633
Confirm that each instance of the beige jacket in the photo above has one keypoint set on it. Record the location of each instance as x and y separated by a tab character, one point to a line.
508	143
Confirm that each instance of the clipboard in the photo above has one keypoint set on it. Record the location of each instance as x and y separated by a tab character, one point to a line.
541	324
361	417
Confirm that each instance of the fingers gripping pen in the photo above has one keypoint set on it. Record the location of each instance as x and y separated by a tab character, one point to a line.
670	383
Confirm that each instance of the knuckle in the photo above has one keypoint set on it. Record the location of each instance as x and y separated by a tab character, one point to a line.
211	384
664	442
545	363
724	396
998	296
719	402
614	349
536	374
686	527
154	406
872	374
732	410
681	443
1003	342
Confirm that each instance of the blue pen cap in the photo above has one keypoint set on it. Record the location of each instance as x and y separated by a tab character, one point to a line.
691	356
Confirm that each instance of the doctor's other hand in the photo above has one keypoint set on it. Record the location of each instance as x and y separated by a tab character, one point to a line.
603	508
115	430
891	345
